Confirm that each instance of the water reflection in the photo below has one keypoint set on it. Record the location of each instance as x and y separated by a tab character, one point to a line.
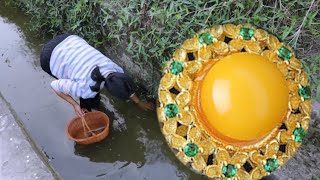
108	150
140	150
122	144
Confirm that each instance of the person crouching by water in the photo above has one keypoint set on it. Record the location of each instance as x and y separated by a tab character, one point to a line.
82	71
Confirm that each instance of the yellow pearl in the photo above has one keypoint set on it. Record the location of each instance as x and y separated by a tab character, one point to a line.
243	97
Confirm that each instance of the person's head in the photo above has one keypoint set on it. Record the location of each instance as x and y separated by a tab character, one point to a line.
119	85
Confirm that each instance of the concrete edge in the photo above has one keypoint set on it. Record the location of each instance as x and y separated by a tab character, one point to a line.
28	137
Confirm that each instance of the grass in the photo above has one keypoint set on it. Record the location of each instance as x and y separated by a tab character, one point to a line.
151	30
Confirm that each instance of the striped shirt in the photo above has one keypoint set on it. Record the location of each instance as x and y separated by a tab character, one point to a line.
72	62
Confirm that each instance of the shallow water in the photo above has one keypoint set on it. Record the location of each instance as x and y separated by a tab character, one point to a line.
135	149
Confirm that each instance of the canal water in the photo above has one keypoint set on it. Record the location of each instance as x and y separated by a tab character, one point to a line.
136	150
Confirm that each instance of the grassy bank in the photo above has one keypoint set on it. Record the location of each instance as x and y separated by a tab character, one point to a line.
151	30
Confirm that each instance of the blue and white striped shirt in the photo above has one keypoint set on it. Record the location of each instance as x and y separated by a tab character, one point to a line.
72	62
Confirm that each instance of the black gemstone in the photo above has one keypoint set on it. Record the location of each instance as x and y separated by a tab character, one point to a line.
282	147
283	126
247	166
266	48
174	91
191	56
227	39
210	159
296	111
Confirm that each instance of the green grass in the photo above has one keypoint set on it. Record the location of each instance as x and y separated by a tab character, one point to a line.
151	30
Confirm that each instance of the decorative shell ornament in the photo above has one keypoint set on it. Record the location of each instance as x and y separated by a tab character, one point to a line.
234	102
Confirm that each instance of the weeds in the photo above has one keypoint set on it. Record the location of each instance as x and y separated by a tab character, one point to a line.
151	30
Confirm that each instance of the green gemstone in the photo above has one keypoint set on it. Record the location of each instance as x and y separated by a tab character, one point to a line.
205	38
171	110
229	170
285	53
271	165
299	134
246	33
176	67
305	92
191	150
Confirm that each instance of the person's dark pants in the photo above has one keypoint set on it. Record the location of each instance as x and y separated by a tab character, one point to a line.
89	104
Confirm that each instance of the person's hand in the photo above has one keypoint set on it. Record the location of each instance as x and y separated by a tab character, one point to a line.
142	104
85	110
78	110
145	105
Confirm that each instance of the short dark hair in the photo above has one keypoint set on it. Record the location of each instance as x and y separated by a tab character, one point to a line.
119	85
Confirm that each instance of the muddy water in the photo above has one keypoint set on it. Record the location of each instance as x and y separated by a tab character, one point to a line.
136	150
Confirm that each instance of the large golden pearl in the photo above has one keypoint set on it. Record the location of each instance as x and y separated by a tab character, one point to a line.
243	97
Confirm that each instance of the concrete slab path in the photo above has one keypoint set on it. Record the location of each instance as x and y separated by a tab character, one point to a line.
18	159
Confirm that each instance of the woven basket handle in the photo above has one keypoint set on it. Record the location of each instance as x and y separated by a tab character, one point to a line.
85	125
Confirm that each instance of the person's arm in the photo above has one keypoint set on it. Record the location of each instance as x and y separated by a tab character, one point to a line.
142	104
64	88
70	100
